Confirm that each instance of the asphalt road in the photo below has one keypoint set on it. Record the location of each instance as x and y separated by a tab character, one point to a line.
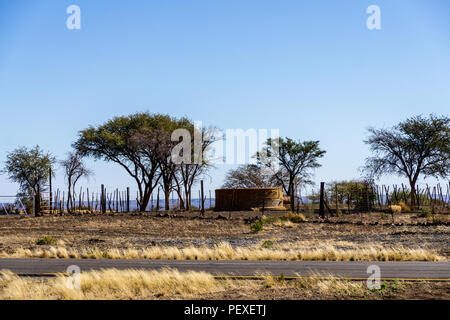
389	270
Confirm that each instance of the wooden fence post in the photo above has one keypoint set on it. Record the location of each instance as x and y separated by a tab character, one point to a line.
117	199
263	205
337	202
51	194
157	200
103	200
321	208
202	197
79	199
128	199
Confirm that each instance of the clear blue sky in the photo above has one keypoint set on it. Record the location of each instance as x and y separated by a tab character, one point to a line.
310	68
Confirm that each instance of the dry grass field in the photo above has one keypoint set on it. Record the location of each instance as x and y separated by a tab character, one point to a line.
216	236
171	284
188	236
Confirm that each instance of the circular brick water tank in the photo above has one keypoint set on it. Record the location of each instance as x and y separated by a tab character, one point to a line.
248	199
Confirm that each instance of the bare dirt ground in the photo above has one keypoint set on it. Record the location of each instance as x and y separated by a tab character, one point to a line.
389	291
189	229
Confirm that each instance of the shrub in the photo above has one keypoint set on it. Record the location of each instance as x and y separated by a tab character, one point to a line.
256	227
382	289
267	244
425	213
46	240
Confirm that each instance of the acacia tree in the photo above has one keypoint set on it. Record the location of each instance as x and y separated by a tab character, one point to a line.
156	142
290	161
74	169
30	168
118	141
414	147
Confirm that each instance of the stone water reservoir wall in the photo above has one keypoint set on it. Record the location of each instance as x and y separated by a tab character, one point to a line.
249	198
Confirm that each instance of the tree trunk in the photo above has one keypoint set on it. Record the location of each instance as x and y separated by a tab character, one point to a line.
190	195
412	183
292	200
180	196
290	190
186	195
413	196
144	201
166	199
37	202
69	199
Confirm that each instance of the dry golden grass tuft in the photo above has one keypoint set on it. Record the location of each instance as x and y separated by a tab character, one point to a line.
395	209
167	283
404	206
284	223
288	219
111	284
224	251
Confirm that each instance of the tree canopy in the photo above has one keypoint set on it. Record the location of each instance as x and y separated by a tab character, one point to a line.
291	161
30	168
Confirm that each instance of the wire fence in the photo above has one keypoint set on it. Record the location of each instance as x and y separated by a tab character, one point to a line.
331	198
360	197
102	201
13	205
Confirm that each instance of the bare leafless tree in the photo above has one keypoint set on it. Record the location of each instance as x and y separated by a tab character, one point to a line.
74	169
187	174
167	168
